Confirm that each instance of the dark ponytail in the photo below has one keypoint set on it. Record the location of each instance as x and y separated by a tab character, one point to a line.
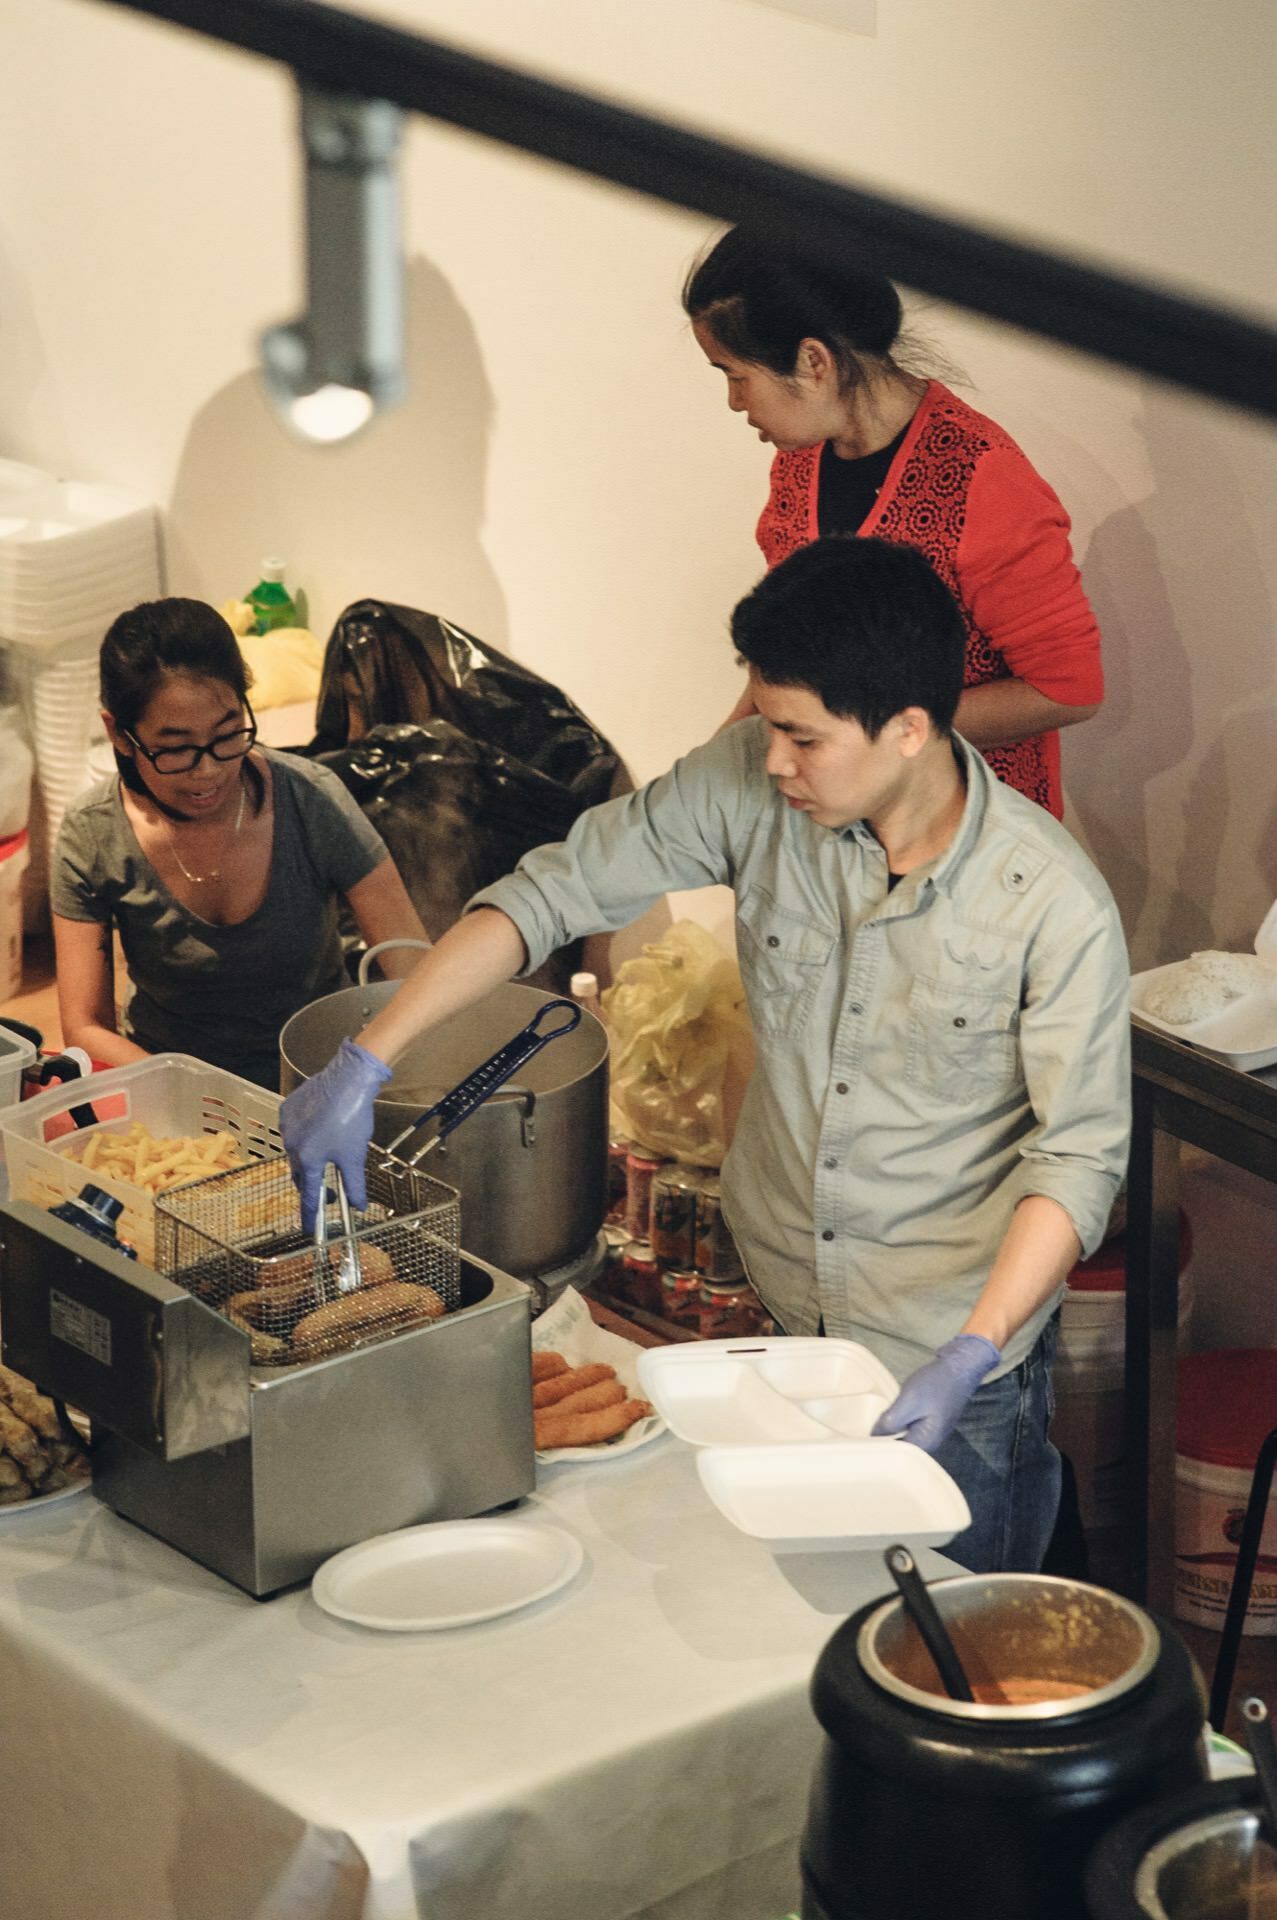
762	303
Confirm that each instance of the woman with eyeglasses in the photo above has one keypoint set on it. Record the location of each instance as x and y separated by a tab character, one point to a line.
219	862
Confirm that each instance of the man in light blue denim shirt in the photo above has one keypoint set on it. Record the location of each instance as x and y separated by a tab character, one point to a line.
937	980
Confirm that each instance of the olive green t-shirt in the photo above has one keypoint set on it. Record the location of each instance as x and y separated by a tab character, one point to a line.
222	993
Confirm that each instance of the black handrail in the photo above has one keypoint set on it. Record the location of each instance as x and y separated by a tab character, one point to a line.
1208	349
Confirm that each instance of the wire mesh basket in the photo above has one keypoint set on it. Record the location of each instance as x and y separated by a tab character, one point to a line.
236	1242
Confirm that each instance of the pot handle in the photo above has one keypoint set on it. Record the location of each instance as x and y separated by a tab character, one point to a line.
478	1086
382	946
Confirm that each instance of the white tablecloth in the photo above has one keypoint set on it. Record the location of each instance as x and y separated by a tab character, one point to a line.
637	1745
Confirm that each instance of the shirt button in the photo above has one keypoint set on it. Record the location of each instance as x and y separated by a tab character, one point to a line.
831	1164
828	1234
841	1087
960	1021
1017	879
856	1007
772	941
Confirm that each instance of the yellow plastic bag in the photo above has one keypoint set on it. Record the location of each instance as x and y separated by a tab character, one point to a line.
681	1046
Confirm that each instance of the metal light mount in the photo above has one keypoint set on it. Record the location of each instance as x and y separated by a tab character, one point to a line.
329	371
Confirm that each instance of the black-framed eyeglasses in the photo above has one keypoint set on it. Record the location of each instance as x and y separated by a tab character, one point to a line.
223	746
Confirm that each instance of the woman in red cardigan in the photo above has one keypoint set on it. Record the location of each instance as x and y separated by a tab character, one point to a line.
863	446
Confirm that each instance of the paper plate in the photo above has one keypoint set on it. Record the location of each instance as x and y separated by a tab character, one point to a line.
39	1501
448	1573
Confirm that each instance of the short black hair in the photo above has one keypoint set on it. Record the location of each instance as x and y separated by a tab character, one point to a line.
867	626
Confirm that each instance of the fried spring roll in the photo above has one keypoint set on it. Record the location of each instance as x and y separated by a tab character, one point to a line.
550	1392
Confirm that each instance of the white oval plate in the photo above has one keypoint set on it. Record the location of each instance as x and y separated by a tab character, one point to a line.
448	1573
40	1500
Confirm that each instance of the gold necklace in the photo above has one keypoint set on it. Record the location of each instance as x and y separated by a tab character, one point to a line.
199	879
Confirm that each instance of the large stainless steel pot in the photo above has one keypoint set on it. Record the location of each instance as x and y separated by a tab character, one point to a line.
923	1806
531	1164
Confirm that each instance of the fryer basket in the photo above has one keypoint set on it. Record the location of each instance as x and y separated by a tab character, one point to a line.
235	1241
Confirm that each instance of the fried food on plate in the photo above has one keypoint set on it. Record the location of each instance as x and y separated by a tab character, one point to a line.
549	1392
546	1365
607	1393
37	1454
553	1428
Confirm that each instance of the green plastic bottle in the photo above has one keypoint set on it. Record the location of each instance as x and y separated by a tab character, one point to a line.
272	603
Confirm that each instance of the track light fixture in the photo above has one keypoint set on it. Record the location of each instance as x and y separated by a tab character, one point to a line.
329	371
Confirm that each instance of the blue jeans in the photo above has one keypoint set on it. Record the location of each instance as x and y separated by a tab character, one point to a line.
1001	1456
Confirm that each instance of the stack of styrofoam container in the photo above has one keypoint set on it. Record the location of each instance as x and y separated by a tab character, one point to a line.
73	555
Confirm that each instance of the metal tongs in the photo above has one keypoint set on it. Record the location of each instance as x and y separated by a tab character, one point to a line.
448	1113
330	1284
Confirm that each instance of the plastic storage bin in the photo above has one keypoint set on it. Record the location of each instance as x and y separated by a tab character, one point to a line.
170	1094
16	1055
1227	1408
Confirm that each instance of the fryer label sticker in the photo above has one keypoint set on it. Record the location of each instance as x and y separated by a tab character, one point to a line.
80	1326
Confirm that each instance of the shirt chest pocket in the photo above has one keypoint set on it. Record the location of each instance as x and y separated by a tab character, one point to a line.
783	958
963	1039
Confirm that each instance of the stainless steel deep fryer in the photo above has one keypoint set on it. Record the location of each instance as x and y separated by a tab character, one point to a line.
262	1466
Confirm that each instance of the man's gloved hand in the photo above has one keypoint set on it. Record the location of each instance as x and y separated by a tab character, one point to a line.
930	1403
330	1118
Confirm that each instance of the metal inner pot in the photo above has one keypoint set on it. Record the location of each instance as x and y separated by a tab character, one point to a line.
1219	1868
1023	1627
1201	1855
530	1164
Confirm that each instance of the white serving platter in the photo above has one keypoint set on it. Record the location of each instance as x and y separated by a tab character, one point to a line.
847	1494
39	1501
448	1573
1242	1034
750	1392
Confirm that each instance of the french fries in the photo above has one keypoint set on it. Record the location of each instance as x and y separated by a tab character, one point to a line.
155	1165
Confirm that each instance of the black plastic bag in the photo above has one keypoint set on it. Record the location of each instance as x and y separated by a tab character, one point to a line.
462	759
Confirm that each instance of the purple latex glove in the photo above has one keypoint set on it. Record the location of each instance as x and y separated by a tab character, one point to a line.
930	1404
330	1118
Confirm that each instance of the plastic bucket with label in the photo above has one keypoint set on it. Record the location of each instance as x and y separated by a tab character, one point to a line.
1090	1373
1227	1407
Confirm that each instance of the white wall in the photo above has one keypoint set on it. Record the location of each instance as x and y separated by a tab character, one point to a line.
565	478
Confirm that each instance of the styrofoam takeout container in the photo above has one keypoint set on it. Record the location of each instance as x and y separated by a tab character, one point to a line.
862	1494
784	1431
1244	1033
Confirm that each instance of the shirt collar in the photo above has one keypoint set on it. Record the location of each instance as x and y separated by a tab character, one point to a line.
944	869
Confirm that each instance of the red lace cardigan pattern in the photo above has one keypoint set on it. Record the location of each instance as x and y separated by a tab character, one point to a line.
927	509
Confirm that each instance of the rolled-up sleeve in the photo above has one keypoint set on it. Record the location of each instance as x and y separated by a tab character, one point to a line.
621	857
1075	1046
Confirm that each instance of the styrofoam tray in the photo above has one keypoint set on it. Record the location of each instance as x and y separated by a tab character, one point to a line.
861	1494
1242	1034
747	1392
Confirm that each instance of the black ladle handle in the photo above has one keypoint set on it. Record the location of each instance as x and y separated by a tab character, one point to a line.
921	1609
1259	1738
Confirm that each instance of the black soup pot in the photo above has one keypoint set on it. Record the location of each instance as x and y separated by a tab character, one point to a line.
1196	1856
923	1807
